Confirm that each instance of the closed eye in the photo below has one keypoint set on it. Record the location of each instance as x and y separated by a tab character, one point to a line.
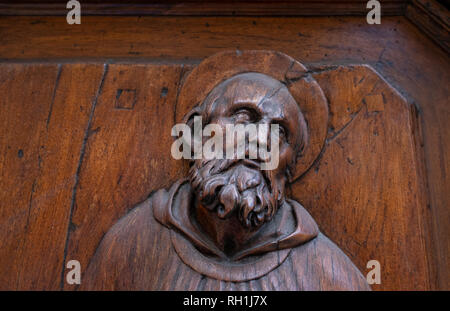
282	132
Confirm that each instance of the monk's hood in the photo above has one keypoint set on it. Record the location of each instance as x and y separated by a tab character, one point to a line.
172	209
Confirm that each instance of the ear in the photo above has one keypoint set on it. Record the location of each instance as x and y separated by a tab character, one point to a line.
189	117
189	121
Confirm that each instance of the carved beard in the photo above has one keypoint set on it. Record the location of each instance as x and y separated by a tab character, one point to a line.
237	185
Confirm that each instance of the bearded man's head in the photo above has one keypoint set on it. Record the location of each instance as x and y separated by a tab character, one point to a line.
238	186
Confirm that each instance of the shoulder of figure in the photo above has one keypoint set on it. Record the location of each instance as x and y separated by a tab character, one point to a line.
136	230
329	265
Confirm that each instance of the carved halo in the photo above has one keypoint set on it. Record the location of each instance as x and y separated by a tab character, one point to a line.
305	90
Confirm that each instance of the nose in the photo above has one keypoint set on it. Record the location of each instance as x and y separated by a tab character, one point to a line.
257	144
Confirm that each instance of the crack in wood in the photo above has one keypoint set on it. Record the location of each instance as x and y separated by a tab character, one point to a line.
77	174
58	77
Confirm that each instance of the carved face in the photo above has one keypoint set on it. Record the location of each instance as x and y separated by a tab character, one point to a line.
229	186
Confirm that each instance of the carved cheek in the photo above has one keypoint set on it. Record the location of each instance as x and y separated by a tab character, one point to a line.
286	154
222	122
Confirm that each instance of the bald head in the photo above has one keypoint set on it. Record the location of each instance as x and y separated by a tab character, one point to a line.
256	98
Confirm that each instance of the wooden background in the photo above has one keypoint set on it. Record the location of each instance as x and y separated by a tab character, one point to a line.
75	156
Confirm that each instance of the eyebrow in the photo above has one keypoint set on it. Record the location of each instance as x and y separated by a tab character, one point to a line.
247	105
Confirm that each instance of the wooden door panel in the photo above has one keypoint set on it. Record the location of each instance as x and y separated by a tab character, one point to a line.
45	122
127	152
86	112
367	187
104	146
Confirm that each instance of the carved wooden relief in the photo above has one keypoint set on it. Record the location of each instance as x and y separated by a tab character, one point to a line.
226	224
348	188
230	221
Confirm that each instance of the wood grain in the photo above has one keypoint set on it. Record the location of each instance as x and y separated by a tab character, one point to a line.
127	152
45	120
433	19
404	56
194	38
368	176
114	174
22	123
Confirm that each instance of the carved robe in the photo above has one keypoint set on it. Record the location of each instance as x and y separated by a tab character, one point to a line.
158	246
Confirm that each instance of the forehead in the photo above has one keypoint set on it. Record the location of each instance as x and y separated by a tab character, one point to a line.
266	95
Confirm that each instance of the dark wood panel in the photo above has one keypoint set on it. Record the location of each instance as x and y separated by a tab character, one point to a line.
203	8
364	190
424	77
433	19
186	38
127	152
45	112
368	175
404	55
25	107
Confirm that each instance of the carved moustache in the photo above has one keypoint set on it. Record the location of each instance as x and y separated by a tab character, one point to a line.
236	185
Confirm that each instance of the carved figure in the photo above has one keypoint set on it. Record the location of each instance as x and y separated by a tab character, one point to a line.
228	224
